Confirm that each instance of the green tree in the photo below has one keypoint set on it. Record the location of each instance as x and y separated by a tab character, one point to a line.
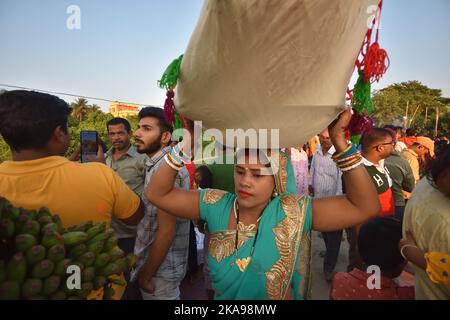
392	102
80	109
5	152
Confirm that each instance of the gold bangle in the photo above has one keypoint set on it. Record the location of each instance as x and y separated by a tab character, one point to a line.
173	162
335	156
356	165
349	163
405	246
352	156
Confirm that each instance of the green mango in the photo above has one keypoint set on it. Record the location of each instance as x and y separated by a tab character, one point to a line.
58	295
100	237
57	220
110	232
7	228
16	268
77	251
9	212
3	204
88	274
87	259
96	229
74	238
61	267
116	253
96	247
110	243
45	220
51	226
32	214
43	269
9	290
43	212
24	242
101	260
56	253
35	254
85	226
110	269
123	264
31	287
51	238
21	220
31	227
51	285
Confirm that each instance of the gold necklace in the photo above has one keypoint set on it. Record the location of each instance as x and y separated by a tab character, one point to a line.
244	262
240	225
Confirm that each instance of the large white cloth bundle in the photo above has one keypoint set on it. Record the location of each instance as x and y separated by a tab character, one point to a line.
271	64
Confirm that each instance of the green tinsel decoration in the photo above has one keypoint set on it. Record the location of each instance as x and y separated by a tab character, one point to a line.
362	95
170	77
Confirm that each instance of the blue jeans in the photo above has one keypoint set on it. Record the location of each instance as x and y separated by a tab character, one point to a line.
399	211
333	244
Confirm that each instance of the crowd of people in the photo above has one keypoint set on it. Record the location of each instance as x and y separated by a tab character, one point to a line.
391	195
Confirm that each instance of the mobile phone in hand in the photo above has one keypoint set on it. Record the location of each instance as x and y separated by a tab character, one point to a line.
89	144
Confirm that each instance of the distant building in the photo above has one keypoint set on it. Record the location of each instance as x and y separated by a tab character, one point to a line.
123	110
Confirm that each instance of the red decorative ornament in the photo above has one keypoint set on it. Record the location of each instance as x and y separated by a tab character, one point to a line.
169	107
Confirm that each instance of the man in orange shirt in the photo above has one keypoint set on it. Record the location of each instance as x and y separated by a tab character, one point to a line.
34	125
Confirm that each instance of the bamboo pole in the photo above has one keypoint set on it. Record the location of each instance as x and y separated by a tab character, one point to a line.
437	122
414	114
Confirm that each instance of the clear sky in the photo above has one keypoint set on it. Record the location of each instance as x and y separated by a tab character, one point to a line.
123	46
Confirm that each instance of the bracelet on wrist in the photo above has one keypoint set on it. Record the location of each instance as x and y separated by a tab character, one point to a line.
406	246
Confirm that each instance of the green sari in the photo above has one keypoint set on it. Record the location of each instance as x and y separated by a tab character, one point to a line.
282	252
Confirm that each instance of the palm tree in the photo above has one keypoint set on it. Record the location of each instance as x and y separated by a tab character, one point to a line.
80	109
95	107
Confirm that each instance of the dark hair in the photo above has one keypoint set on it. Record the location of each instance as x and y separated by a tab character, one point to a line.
378	242
411	132
389	126
157	113
374	136
207	178
28	118
116	121
438	165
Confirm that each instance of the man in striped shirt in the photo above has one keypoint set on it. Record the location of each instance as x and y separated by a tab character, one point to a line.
326	182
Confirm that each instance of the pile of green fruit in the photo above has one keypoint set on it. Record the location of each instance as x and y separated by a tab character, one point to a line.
36	252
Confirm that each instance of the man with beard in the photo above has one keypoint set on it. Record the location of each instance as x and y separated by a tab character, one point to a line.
124	159
162	240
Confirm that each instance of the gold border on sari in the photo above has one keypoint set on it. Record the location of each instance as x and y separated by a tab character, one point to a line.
281	177
287	238
304	266
222	243
212	196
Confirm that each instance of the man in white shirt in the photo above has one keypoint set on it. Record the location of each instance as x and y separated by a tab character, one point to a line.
326	181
